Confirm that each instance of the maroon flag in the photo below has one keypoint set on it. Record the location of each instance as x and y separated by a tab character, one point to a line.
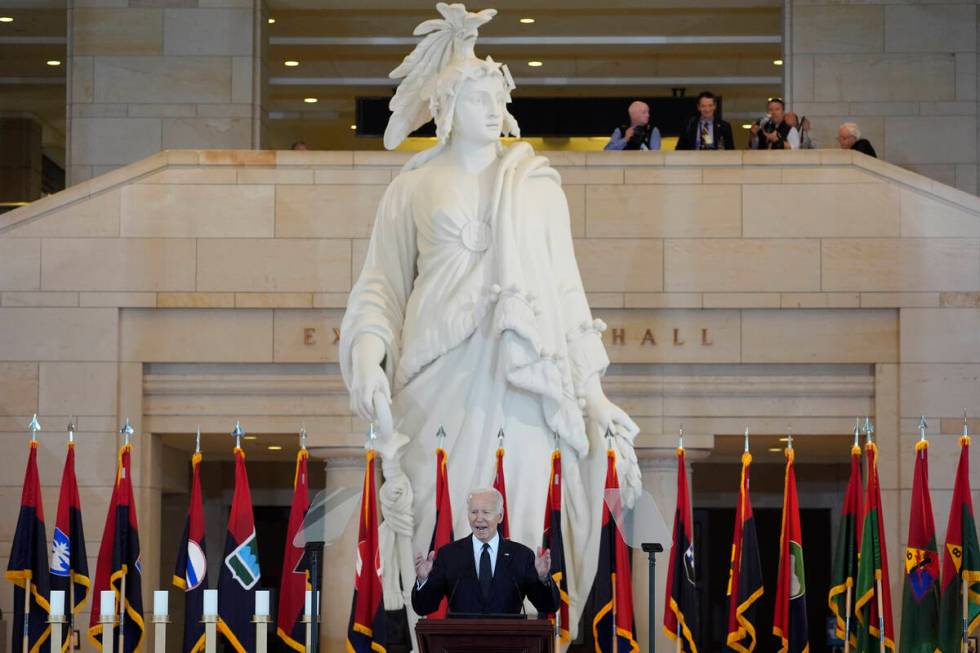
28	566
553	540
443	532
366	628
191	570
920	594
240	572
745	576
69	562
501	486
295	575
613	628
119	561
681	609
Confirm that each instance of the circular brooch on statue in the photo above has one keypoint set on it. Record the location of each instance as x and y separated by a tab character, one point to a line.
475	235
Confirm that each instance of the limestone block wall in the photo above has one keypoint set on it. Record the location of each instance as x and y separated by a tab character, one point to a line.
906	72
149	76
740	288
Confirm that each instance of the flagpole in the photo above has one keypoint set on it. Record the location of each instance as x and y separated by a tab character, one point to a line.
869	430
847	599
678	641
70	610
34	426
125	431
964	587
615	642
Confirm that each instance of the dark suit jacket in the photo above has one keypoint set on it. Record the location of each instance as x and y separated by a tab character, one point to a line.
722	135
454	576
863	145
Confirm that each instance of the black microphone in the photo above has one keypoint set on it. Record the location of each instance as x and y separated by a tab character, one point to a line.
449	601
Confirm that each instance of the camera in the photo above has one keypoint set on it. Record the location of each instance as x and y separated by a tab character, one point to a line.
640	137
767	125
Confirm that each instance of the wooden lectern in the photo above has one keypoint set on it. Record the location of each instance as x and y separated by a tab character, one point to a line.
485	636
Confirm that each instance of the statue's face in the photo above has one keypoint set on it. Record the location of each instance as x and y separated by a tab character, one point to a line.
479	113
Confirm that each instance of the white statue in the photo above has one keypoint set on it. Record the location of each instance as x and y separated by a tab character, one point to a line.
470	314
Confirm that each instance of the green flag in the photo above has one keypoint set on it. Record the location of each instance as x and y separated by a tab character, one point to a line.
961	563
873	606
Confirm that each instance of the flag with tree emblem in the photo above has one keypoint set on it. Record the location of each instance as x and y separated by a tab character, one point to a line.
789	621
240	573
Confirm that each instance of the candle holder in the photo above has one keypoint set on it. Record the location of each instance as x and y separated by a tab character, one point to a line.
261	632
210	622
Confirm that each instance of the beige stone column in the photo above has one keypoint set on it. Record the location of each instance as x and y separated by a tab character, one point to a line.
143	77
345	468
659	468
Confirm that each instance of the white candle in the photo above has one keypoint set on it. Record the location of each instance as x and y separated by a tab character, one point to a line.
107	605
57	603
211	602
262	603
308	604
160	600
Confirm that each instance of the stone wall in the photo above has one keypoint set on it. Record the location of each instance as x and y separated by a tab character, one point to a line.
905	72
740	288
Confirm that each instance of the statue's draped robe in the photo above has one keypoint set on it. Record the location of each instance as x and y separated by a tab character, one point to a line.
486	326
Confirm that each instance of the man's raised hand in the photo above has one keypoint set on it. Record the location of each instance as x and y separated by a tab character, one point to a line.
542	563
423	565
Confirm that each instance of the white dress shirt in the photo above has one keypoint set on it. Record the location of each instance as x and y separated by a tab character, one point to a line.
478	551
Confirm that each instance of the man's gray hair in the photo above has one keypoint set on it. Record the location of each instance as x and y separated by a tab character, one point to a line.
487	490
852	129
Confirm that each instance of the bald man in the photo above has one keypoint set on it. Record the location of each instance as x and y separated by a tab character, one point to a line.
639	134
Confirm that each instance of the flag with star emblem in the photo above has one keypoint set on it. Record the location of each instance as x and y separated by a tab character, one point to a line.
69	562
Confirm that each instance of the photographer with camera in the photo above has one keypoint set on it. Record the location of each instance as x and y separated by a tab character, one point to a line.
771	132
639	134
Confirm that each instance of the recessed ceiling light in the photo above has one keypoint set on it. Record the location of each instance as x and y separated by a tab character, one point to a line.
775	449
746	125
784	439
353	126
527	21
272	21
250	437
53	62
777	62
535	64
6	19
310	100
274	447
290	63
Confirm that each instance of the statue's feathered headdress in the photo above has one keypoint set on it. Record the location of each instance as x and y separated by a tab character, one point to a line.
449	42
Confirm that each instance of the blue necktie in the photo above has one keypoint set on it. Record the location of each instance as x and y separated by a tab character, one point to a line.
486	571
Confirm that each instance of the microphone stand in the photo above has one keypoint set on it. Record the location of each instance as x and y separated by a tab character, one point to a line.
314	552
652	549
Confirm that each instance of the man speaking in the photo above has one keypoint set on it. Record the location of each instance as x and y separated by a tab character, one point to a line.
484	574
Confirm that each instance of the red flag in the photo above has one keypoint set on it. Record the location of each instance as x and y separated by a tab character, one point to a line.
191	569
681	605
366	629
920	594
789	622
553	540
69	562
845	568
960	599
295	575
29	564
240	572
745	577
501	486
613	583
443	532
119	558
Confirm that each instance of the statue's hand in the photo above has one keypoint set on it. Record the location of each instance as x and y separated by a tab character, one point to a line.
607	415
369	385
627	468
